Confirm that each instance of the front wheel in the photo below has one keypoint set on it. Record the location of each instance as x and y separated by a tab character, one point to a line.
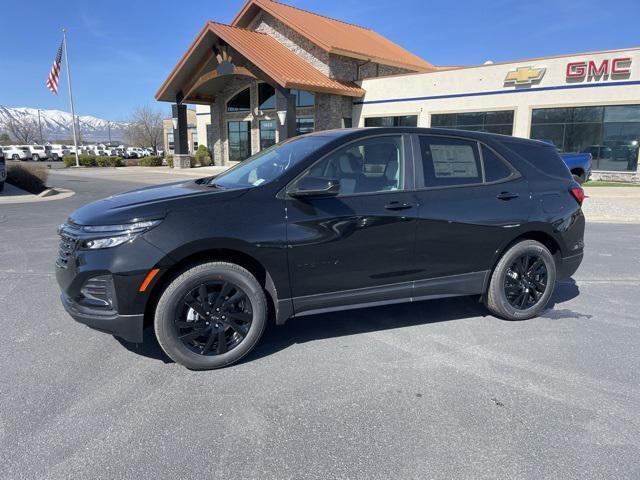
522	282
211	316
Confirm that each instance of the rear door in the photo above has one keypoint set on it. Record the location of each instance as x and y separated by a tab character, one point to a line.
470	201
356	247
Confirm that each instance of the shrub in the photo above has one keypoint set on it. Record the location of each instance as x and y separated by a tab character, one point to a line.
104	161
85	160
169	160
150	161
202	156
32	178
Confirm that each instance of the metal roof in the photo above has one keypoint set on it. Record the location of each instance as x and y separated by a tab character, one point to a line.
266	53
335	36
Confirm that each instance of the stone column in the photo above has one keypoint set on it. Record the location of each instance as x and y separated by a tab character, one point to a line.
181	158
216	135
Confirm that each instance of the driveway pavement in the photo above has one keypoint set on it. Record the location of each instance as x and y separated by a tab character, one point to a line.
433	389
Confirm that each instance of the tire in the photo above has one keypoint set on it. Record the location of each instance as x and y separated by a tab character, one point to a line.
500	303
170	313
1	186
15	157
35	157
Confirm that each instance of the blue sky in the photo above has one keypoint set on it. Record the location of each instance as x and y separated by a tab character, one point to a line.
121	51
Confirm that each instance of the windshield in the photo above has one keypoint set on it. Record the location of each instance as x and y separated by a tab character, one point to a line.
269	164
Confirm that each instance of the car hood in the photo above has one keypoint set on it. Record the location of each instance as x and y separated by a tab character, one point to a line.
151	203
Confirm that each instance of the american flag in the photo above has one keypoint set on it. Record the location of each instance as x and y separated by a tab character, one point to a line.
54	75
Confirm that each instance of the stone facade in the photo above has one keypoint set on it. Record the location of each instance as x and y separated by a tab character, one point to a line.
329	111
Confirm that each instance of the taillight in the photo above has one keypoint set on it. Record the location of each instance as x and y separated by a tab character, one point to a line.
578	194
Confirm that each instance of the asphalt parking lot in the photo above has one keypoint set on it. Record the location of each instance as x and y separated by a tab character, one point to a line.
434	389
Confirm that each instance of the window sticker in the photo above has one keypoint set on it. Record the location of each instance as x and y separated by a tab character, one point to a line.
457	161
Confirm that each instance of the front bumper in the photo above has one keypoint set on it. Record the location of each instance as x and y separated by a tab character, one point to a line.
100	288
127	327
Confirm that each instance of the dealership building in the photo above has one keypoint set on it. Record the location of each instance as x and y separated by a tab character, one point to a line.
278	71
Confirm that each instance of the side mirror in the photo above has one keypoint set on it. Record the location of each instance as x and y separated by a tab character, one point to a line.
309	187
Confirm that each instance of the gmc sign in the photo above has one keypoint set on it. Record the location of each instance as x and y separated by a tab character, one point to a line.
590	69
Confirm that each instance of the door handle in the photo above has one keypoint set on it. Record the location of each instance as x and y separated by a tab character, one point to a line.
506	196
397	206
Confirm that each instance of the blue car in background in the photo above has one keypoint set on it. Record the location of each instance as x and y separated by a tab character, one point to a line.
579	163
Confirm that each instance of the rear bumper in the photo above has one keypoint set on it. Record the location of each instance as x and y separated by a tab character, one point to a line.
127	327
567	266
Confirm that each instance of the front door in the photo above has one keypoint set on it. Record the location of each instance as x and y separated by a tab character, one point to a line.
356	247
471	201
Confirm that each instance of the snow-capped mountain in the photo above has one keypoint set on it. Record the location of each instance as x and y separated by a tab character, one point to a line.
57	124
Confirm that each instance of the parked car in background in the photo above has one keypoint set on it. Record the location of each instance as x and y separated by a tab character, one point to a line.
56	152
37	152
13	152
3	169
328	221
579	163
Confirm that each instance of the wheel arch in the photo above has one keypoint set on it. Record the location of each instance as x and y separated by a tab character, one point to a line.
231	255
543	237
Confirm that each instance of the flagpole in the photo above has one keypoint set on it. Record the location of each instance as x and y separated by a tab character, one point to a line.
73	112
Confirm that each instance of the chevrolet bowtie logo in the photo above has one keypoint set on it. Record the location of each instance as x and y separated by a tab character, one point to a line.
524	75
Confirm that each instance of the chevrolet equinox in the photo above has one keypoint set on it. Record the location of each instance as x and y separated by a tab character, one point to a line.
324	222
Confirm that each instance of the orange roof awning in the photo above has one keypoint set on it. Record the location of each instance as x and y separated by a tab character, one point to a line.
276	61
336	36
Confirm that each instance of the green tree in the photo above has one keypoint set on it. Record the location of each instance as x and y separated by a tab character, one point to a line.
5	139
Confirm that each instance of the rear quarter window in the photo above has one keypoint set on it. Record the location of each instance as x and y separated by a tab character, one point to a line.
543	157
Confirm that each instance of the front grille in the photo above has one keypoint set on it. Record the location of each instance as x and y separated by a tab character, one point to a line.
66	248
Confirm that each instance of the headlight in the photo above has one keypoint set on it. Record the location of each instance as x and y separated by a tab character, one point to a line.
120	234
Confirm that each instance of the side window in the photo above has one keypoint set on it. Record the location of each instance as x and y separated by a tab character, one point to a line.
494	167
450	161
365	166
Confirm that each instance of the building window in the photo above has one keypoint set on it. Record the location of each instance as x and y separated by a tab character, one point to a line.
304	125
239	140
170	144
266	96
304	98
500	121
241	102
610	133
267	133
194	139
397	121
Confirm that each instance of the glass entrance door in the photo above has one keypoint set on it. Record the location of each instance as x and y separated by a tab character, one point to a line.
239	134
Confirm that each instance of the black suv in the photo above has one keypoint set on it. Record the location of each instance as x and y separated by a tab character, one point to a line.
323	222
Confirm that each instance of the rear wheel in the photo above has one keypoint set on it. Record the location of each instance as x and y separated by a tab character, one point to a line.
522	282
211	316
35	157
15	157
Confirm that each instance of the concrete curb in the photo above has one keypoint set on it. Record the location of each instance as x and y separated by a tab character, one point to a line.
13	194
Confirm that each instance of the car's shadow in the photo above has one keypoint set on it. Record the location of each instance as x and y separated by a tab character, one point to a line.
364	320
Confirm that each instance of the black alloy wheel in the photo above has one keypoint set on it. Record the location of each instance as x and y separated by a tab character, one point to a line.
213	318
522	281
525	281
211	315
